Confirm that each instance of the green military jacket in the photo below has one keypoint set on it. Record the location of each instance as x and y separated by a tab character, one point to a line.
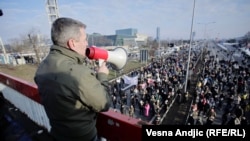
72	94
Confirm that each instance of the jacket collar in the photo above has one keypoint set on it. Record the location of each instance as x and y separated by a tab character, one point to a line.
68	52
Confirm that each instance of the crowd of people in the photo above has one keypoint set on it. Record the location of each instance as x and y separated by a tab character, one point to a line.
159	83
223	86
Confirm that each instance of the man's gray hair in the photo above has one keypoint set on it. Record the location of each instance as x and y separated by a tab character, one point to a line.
64	29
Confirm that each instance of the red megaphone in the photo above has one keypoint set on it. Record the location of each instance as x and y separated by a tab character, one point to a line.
96	53
118	56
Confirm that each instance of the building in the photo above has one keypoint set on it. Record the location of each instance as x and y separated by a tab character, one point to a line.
120	40
123	37
128	32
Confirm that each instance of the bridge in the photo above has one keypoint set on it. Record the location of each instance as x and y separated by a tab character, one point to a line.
111	125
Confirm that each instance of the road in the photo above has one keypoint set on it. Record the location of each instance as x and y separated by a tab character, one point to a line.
179	112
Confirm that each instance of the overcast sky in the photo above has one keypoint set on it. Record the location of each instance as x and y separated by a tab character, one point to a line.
212	18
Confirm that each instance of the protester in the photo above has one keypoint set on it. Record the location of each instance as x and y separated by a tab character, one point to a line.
72	93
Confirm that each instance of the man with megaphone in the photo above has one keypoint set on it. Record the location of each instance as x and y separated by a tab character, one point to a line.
72	94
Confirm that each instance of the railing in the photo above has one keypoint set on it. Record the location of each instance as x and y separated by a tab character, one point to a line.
111	125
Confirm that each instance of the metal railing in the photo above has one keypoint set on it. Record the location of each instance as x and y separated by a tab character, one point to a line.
24	96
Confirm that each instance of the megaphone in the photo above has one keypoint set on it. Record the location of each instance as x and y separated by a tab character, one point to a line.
117	56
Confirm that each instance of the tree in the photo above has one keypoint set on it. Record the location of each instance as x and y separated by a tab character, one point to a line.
153	46
16	45
31	42
19	45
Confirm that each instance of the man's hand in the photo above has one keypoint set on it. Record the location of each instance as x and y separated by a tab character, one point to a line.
103	68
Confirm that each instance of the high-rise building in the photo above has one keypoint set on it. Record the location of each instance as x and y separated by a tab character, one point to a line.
158	35
128	32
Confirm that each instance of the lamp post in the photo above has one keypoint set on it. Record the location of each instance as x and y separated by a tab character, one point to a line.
190	46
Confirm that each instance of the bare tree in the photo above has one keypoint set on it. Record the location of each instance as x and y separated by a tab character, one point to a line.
34	40
43	45
31	42
153	45
16	45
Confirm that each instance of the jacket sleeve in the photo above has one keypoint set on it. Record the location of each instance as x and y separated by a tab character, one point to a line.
94	91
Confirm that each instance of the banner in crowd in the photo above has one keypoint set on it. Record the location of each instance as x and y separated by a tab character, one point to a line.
130	80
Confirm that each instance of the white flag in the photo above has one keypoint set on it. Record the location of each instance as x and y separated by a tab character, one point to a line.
130	80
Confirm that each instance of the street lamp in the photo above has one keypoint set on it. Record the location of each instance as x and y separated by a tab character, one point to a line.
190	46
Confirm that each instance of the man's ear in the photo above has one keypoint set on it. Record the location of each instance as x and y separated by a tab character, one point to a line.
71	44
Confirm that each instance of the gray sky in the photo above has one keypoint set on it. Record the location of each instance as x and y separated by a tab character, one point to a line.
212	18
